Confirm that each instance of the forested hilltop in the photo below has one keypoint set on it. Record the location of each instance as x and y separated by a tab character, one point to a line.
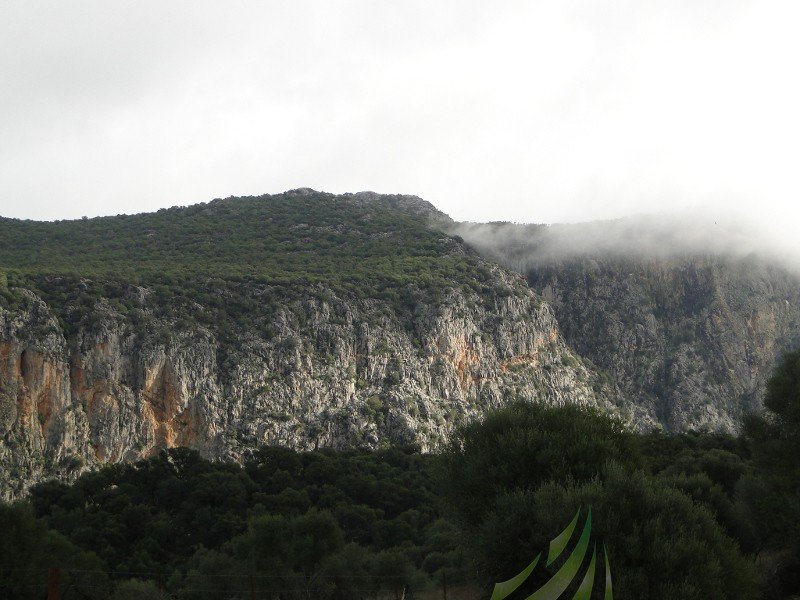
301	319
365	243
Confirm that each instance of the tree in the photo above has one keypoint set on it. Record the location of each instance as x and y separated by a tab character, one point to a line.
775	435
772	495
522	445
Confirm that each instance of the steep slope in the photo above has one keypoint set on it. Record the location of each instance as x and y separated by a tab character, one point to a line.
303	319
685	317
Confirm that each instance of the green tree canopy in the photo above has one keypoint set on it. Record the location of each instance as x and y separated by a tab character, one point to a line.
522	445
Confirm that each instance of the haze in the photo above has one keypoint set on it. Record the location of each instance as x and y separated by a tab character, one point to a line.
643	237
521	111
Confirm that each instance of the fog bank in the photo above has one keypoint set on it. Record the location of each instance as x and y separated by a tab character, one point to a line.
662	236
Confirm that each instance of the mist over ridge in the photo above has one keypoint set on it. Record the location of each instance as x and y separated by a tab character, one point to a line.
523	246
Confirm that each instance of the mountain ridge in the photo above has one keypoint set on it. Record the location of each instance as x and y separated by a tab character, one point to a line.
310	319
260	321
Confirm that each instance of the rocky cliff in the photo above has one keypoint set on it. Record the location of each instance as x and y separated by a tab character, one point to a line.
688	319
371	342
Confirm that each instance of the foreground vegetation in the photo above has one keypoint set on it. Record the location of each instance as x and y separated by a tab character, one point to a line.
683	516
301	525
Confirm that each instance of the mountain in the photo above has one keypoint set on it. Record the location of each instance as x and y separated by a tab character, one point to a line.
302	319
687	315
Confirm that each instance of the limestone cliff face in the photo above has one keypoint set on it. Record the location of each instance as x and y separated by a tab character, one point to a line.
326	371
692	339
39	417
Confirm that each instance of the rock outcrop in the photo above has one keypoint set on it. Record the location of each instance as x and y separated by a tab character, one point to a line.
327	371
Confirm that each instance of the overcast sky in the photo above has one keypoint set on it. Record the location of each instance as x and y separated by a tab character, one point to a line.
524	111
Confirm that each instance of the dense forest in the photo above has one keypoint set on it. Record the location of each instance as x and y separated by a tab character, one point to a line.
682	516
295	236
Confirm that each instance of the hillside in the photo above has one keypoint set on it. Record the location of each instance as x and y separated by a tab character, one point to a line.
302	319
688	318
294	238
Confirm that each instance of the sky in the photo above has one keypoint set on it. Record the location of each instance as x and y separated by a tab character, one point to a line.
543	112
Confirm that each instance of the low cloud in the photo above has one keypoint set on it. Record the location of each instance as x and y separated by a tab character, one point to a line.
664	236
